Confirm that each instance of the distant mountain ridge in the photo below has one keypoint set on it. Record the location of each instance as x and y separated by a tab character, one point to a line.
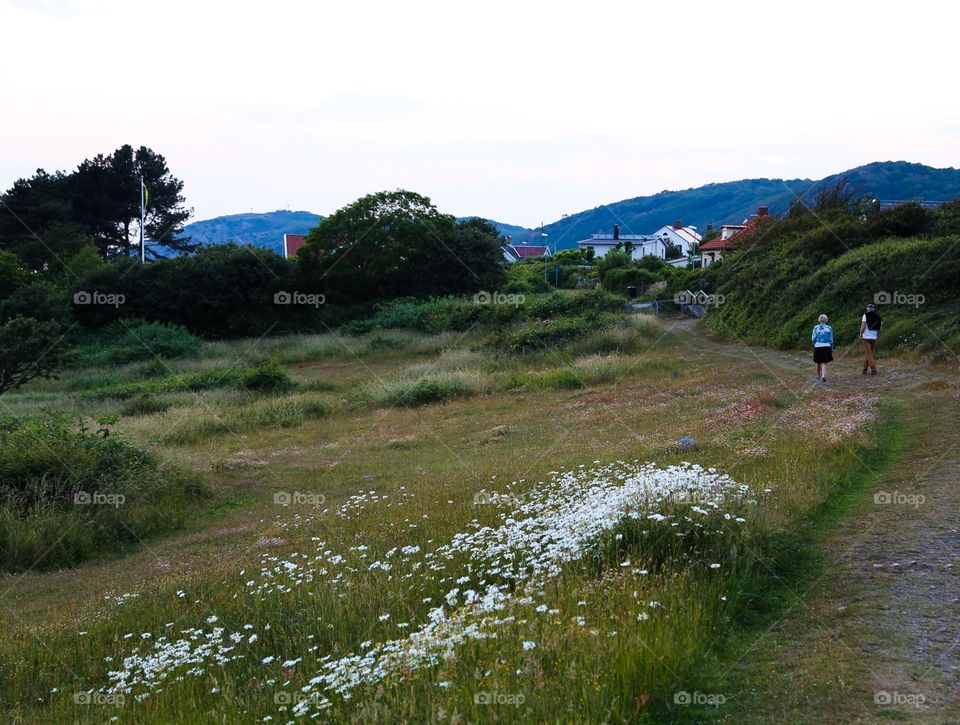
717	203
264	230
732	201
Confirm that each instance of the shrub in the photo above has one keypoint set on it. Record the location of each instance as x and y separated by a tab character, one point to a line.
68	493
421	391
149	340
144	404
264	378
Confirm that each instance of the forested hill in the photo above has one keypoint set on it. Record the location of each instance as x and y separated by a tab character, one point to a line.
261	230
718	203
732	201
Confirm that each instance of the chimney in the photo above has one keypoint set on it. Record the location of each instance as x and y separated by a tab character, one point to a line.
763	211
678	224
616	232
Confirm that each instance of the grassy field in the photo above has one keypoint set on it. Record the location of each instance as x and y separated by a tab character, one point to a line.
449	527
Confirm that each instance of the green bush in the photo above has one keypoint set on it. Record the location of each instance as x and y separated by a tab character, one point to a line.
540	335
263	378
149	340
68	493
144	404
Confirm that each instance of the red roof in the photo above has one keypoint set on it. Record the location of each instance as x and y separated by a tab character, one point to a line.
526	250
747	229
717	245
292	244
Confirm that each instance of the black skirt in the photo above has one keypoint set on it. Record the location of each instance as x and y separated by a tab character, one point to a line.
822	354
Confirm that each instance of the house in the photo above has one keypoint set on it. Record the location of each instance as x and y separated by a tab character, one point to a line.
644	245
686	238
714	250
515	252
292	244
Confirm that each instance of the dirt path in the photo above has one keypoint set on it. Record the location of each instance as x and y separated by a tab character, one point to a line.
877	636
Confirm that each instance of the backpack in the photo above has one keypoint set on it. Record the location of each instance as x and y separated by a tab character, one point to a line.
874	321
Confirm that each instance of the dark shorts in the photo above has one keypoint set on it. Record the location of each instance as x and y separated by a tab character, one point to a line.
822	354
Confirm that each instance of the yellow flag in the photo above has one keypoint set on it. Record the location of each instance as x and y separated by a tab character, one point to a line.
146	193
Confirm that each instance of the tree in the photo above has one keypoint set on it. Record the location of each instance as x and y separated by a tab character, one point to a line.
672	250
397	244
105	191
12	274
36	220
28	349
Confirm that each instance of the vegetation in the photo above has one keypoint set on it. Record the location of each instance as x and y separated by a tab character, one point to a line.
834	259
68	493
51	216
28	350
418	428
397	244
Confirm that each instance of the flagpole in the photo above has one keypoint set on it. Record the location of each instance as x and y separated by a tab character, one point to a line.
143	256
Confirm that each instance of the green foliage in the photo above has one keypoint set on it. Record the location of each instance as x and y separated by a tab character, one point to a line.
805	266
222	291
52	216
39	300
144	404
29	349
68	493
148	340
425	391
526	276
462	314
539	335
397	244
265	377
12	273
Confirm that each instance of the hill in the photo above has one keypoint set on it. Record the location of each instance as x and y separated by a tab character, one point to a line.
264	230
732	201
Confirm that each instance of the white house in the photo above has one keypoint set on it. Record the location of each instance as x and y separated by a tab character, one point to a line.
686	238
644	245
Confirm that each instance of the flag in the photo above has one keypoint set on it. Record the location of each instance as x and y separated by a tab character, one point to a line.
146	193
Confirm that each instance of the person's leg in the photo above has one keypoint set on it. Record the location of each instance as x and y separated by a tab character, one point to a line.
868	355
824	376
819	365
873	359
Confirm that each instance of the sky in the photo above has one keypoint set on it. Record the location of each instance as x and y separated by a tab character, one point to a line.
516	111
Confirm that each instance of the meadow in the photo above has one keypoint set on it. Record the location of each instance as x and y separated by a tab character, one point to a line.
483	523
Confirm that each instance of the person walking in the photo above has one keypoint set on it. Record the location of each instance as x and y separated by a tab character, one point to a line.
870	325
822	338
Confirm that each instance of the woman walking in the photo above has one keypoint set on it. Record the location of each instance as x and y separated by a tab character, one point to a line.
870	325
822	339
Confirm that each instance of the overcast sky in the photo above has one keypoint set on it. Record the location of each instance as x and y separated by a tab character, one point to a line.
517	111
